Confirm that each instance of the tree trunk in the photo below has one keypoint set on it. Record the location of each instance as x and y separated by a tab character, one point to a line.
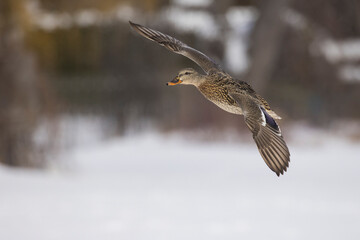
266	42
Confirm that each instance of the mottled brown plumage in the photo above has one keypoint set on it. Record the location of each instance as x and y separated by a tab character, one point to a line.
218	85
231	95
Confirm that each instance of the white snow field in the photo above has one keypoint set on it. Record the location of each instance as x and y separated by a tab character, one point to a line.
169	187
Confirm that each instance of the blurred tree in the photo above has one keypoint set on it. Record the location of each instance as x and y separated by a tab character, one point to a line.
104	5
24	96
287	63
96	68
266	42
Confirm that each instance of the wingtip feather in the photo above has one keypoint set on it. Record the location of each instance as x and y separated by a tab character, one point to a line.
133	24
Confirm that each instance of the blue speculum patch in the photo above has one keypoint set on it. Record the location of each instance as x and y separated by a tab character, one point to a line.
270	120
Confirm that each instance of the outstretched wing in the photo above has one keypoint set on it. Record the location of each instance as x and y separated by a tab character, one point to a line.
266	133
206	63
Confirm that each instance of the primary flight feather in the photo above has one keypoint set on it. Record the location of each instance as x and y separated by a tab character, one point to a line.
231	95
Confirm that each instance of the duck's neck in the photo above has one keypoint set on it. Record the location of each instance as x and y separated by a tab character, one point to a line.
198	79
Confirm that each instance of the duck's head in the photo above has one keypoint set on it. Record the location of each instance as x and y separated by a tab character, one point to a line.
187	76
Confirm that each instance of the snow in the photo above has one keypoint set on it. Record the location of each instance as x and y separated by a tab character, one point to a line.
350	73
342	50
193	3
152	186
198	21
182	18
204	25
295	19
241	21
87	18
345	53
51	21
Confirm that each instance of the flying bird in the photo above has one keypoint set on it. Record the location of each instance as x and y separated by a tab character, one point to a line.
231	95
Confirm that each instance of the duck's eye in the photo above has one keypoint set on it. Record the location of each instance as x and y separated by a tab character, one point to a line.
187	73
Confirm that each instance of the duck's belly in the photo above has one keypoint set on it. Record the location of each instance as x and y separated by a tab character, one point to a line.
229	108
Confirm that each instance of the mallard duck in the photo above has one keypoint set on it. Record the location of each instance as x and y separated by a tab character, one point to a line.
231	95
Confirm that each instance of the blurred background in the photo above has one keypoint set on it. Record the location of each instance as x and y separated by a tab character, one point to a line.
94	145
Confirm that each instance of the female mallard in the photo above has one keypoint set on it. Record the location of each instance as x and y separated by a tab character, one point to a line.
231	95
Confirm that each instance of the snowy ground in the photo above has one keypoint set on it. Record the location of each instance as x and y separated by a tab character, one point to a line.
166	187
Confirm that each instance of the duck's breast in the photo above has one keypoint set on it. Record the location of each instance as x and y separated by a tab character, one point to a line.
219	96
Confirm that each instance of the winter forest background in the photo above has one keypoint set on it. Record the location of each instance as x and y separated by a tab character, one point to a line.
94	145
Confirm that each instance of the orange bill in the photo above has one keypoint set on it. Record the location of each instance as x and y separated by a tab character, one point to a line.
175	81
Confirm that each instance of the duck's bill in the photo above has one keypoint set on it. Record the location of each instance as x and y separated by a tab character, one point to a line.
173	82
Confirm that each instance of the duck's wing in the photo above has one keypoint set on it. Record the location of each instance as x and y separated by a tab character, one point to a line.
266	133
206	63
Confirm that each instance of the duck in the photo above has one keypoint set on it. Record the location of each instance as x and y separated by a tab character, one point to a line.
230	94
